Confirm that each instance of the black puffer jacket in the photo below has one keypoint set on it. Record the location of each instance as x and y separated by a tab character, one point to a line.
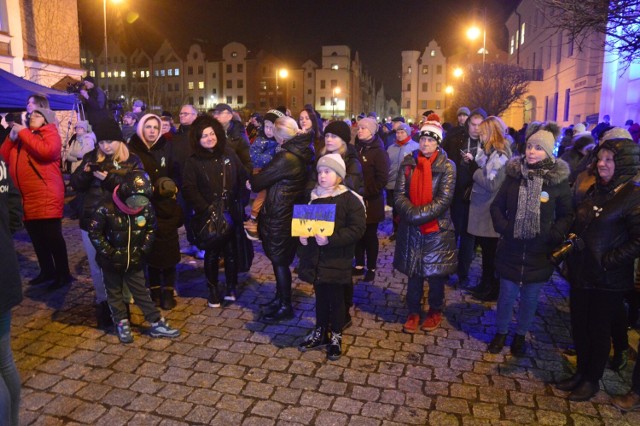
332	263
527	261
238	141
93	190
10	221
285	178
121	240
375	169
611	239
425	255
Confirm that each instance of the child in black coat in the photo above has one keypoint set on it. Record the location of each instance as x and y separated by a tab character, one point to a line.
325	261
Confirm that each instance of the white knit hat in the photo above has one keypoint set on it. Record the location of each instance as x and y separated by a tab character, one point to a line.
334	162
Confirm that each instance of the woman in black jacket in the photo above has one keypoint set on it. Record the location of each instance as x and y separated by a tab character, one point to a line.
532	212
375	169
212	169
10	295
285	179
95	178
601	267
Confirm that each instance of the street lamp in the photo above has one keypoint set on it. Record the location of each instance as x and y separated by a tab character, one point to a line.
334	99
282	73
106	49
474	32
458	72
448	91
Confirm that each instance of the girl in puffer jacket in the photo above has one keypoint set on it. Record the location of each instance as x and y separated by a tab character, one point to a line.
122	231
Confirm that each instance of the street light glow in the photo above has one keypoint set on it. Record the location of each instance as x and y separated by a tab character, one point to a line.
473	33
336	91
448	90
283	73
457	72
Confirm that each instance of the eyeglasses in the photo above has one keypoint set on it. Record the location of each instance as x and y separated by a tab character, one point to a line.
186	113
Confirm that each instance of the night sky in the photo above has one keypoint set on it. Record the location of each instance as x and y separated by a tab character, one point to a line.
295	30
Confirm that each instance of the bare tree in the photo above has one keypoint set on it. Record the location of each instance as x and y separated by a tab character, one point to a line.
618	20
494	87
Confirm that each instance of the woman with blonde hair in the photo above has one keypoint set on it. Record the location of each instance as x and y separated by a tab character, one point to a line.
97	176
488	172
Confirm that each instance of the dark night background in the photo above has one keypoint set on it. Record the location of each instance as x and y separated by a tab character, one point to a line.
295	30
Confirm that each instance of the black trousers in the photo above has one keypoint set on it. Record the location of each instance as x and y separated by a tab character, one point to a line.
229	250
592	314
369	244
489	246
50	247
330	309
161	277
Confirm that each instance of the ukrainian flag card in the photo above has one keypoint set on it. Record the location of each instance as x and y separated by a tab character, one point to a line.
310	220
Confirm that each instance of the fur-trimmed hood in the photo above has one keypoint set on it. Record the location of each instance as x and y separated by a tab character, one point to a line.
556	174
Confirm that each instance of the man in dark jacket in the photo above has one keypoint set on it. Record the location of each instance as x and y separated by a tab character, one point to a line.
94	101
237	137
455	144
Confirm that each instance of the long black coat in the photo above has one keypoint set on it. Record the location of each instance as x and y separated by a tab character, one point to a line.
332	263
375	170
238	140
157	160
165	251
92	190
285	179
425	255
527	261
10	221
612	239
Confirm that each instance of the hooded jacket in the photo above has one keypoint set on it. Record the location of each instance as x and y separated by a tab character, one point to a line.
425	255
527	261
608	222
34	166
285	179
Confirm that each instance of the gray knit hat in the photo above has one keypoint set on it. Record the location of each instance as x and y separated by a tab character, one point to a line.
334	162
546	141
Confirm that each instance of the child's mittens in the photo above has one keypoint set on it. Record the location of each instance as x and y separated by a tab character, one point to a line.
322	240
303	240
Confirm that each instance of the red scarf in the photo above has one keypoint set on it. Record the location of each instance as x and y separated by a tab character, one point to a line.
403	142
421	191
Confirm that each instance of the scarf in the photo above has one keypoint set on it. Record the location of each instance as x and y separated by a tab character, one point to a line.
122	206
421	190
319	192
404	141
527	222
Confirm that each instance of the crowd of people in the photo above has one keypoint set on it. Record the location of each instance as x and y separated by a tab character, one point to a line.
451	190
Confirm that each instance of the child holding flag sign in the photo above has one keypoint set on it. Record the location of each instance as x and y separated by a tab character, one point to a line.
327	251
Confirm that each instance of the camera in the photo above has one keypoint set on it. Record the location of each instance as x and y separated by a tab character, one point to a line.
75	87
573	242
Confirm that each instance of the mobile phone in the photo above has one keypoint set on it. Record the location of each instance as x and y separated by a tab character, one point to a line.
95	167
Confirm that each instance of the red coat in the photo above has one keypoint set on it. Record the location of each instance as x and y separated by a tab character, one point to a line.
34	166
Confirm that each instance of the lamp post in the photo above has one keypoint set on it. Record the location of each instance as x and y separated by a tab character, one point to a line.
106	49
474	32
448	91
283	73
334	99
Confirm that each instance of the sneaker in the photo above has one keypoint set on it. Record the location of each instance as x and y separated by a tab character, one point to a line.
628	402
231	296
189	251
334	350
369	276
124	331
162	329
411	326
317	339
251	229
214	298
497	343
357	270
432	321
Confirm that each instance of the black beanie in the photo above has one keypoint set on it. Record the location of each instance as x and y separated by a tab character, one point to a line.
108	130
340	129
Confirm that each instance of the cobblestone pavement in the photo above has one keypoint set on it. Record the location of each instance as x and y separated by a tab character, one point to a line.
229	368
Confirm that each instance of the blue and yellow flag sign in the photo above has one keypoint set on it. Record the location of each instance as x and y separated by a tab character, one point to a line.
310	220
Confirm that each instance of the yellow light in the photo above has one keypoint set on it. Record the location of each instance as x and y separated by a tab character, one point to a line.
336	90
457	72
473	33
283	73
448	90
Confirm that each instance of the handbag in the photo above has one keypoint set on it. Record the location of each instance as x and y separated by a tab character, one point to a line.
215	226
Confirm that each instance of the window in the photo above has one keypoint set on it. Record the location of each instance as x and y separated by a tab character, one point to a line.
567	102
263	85
559	48
109	74
438	104
309	91
176	71
309	75
555	106
438	87
511	45
169	87
214	91
229	84
229	68
438	69
293	101
334	84
293	84
191	100
408	104
213	75
195	56
201	100
134	74
432	53
201	85
240	84
189	70
546	108
408	87
423	104
176	87
240	99
161	73
323	84
240	68
323	101
229	99
522	34
146	73
263	103
334	66
92	73
409	69
234	54
169	72
425	69
425	88
190	85
570	47
200	69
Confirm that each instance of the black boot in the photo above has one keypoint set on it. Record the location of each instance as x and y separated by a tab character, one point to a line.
284	312
214	298
569	384
479	288
103	316
155	292
334	350
284	309
167	302
317	339
497	343
584	391
518	346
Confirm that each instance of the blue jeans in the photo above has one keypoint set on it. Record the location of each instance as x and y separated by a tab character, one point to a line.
527	309
415	290
9	378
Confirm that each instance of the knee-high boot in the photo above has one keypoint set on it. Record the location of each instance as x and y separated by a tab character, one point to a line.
283	283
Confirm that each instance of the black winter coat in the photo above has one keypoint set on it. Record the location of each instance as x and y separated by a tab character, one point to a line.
425	255
165	251
285	179
238	140
527	261
180	151
332	263
122	241
611	239
156	160
92	190
375	169
10	221
455	141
